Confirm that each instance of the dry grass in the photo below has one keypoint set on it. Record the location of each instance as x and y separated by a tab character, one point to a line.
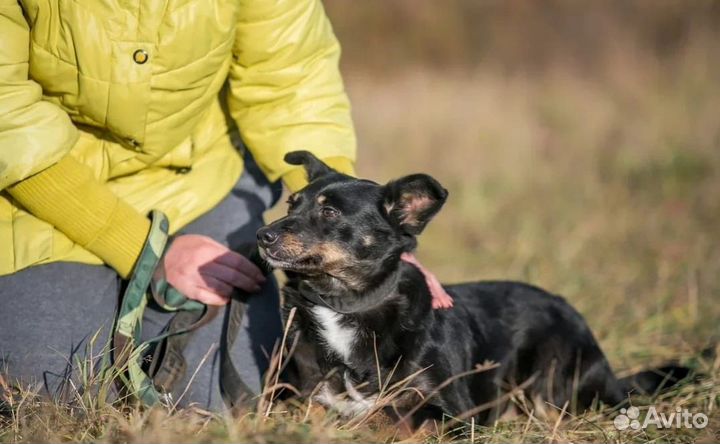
603	188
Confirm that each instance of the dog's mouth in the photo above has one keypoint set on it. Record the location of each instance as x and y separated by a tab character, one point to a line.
313	262
281	263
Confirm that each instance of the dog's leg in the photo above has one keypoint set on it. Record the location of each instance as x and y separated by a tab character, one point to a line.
355	406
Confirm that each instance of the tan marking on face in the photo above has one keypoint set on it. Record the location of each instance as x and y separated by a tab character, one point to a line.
332	254
337	262
291	245
321	199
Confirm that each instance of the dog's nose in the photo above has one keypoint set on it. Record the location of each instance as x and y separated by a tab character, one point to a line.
266	236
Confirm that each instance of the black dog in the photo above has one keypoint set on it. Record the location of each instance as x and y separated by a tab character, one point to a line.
364	317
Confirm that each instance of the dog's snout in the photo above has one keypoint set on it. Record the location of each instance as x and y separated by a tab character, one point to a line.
267	236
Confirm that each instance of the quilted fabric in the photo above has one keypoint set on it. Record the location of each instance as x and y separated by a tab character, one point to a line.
149	94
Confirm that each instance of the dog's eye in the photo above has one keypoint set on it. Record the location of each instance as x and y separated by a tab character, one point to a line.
329	212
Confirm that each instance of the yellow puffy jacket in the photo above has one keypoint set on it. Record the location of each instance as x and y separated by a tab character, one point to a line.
109	108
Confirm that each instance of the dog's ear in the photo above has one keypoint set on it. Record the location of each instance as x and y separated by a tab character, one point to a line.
313	166
410	202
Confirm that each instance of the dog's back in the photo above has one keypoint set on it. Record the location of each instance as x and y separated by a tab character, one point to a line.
537	340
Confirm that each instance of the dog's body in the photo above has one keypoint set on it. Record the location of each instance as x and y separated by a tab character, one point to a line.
364	322
534	337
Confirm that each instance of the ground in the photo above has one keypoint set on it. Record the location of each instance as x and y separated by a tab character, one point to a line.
602	187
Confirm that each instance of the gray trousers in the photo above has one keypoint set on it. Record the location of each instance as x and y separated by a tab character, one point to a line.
50	313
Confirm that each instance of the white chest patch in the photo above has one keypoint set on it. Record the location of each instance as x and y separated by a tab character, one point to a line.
338	337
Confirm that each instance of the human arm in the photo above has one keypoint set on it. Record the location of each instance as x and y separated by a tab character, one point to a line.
37	171
286	92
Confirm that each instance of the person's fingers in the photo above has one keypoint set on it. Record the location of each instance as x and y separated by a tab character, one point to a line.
232	276
410	258
440	297
215	285
208	297
240	262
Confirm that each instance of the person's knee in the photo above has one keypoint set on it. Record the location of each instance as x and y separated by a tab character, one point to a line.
55	317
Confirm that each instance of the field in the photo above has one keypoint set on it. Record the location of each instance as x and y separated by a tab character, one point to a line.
586	161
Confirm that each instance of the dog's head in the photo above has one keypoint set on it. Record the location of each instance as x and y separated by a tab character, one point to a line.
341	232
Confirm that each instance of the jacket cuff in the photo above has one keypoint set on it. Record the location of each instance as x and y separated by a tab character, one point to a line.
296	178
70	198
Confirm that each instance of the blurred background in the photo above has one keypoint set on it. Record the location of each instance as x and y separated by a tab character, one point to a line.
579	142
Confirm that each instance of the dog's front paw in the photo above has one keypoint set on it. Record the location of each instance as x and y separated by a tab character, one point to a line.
349	404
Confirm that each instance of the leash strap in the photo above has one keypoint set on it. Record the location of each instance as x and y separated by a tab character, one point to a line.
128	350
128	327
233	389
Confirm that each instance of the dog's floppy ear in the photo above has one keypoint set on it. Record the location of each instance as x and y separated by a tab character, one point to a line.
313	166
410	202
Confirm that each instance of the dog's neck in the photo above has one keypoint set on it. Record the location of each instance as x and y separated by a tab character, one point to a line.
349	301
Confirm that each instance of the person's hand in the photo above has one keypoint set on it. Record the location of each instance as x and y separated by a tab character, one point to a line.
206	271
440	297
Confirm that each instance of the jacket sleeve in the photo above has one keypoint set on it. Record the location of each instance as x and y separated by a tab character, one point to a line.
34	134
35	137
286	92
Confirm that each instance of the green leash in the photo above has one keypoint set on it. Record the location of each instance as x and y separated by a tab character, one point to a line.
130	352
